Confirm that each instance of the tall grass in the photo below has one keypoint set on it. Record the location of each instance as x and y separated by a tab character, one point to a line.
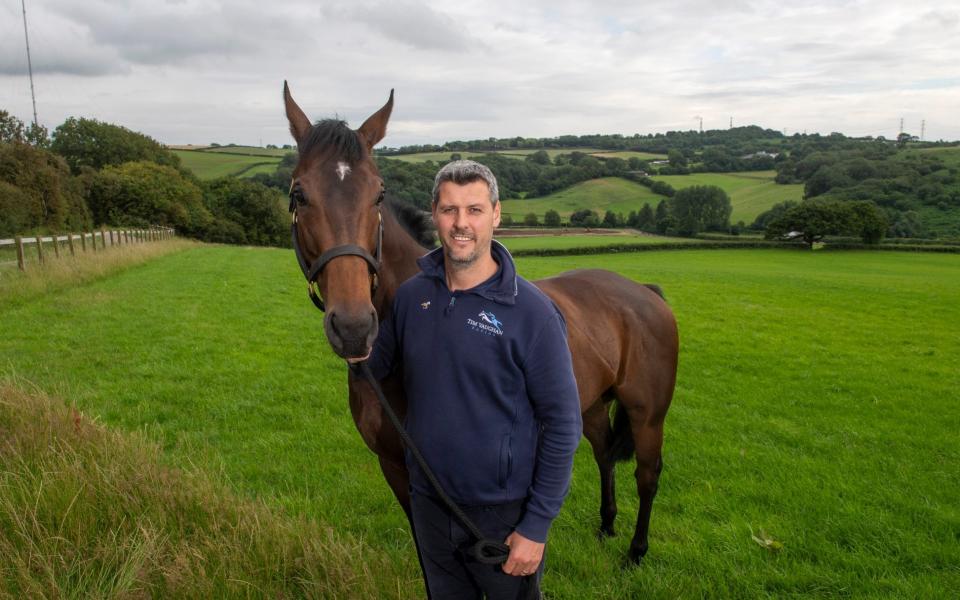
90	513
58	273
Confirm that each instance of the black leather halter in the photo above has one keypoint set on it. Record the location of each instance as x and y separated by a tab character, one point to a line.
311	272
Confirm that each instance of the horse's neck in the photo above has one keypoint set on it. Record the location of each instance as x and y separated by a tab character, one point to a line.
399	260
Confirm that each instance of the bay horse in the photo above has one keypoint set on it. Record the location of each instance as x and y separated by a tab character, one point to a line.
622	335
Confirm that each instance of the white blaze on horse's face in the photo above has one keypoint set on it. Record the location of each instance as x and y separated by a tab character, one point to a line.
343	169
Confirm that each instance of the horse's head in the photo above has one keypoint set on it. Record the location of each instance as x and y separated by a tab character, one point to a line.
335	199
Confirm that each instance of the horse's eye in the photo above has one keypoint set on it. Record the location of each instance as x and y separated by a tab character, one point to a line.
383	193
296	195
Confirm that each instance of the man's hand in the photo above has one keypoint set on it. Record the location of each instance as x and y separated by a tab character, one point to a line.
525	555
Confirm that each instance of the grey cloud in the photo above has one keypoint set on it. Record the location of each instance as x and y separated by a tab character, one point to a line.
414	24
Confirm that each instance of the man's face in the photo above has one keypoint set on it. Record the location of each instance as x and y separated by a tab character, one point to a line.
465	220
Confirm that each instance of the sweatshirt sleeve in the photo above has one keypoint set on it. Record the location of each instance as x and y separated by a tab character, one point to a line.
552	390
385	350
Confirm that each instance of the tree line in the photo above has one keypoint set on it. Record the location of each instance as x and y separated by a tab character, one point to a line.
88	173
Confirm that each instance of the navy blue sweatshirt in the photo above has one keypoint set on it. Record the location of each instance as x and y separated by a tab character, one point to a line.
492	400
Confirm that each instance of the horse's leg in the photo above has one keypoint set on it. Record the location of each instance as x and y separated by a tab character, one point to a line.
648	441
399	481
597	430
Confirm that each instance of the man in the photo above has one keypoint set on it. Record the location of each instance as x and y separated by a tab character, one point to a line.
492	400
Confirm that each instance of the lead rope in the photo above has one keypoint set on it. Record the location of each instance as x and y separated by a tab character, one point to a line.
486	551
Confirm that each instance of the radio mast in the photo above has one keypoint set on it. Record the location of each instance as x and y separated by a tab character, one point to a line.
33	97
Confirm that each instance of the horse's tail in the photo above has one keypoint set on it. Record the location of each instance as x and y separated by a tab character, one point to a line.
621	445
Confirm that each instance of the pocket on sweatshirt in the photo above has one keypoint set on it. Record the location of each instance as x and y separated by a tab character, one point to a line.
505	468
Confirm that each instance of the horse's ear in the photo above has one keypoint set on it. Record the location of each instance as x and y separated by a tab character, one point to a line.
299	123
375	127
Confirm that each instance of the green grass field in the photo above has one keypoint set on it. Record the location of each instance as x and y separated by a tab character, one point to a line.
206	164
600	195
816	407
750	193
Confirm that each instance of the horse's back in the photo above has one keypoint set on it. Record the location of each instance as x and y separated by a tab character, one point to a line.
616	328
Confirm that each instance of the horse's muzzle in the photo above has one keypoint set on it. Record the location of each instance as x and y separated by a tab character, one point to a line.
351	335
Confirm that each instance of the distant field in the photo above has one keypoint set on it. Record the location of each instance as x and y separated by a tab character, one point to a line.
249	150
751	192
210	165
514	243
625	154
601	195
512	152
423	157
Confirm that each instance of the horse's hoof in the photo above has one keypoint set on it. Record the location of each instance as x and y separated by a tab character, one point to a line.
605	532
635	556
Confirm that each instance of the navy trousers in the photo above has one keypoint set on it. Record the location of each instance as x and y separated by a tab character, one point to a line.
451	572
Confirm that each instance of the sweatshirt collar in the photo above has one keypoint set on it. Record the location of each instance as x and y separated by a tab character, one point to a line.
501	288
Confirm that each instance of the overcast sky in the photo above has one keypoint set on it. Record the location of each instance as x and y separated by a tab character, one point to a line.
200	71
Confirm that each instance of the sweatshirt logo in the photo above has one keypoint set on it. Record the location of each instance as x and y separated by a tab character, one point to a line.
488	323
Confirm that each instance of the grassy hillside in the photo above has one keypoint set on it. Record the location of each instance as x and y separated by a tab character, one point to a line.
950	156
750	193
609	193
815	408
207	164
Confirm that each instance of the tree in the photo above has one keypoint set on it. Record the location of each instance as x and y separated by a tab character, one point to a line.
871	222
825	179
611	219
584	218
773	213
676	158
144	193
645	219
91	143
13	131
662	188
37	190
701	208
530	220
258	212
506	220
551	218
540	157
819	217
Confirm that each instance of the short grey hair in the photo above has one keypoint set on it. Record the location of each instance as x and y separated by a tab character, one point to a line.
462	172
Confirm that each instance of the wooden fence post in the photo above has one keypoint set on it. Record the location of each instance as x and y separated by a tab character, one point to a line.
73	251
83	240
56	246
21	262
103	239
39	248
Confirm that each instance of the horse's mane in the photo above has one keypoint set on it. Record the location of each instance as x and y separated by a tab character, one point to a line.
336	134
415	221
